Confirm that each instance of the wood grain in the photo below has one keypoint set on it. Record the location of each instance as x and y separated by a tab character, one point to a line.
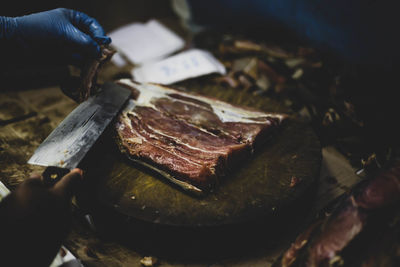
105	246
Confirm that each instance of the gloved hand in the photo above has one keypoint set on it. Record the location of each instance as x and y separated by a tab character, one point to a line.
60	35
35	219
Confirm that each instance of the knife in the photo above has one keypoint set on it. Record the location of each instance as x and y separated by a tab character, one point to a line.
71	140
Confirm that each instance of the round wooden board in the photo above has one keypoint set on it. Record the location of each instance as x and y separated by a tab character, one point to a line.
260	187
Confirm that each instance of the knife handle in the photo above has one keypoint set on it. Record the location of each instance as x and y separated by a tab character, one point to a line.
52	175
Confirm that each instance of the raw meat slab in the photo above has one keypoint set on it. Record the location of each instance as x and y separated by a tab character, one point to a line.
193	140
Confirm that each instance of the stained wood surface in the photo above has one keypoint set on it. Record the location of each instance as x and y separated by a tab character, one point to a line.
256	202
258	188
38	111
28	116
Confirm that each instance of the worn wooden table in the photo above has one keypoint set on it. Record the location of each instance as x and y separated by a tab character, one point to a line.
27	116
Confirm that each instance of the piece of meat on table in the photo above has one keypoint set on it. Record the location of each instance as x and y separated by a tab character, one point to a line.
195	139
361	230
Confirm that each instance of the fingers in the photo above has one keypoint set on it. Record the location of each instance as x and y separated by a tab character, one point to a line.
65	187
90	26
104	40
84	35
35	176
80	34
33	180
84	45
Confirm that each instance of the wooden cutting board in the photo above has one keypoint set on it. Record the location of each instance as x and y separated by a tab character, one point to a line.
271	184
278	174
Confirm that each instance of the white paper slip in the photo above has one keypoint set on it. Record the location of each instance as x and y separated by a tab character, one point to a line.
3	191
118	60
144	42
65	258
182	66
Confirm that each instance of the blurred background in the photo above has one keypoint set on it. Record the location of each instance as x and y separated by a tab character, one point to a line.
110	14
334	63
357	39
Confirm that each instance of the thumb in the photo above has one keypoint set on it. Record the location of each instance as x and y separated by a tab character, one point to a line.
66	186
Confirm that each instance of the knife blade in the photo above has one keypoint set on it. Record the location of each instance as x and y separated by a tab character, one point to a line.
71	140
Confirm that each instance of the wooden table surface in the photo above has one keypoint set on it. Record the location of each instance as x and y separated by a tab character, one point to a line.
27	116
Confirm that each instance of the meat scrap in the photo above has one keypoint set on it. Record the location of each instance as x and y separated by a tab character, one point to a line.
363	225
83	83
194	140
89	73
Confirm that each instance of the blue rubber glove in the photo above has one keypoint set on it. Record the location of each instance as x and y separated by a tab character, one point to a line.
60	35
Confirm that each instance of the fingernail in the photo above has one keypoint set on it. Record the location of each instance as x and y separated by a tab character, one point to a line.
78	171
34	175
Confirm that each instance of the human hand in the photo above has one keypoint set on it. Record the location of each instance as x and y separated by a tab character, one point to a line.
35	219
59	35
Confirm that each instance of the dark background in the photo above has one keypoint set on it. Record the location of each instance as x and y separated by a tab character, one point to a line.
371	81
110	14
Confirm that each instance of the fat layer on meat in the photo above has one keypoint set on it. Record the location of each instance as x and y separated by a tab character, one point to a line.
194	138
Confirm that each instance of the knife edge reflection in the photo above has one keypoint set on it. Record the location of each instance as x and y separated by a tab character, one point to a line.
70	141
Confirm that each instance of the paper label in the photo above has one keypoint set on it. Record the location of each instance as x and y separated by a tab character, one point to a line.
3	191
182	66
145	42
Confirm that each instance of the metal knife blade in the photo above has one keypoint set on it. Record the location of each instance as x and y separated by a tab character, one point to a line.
70	141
